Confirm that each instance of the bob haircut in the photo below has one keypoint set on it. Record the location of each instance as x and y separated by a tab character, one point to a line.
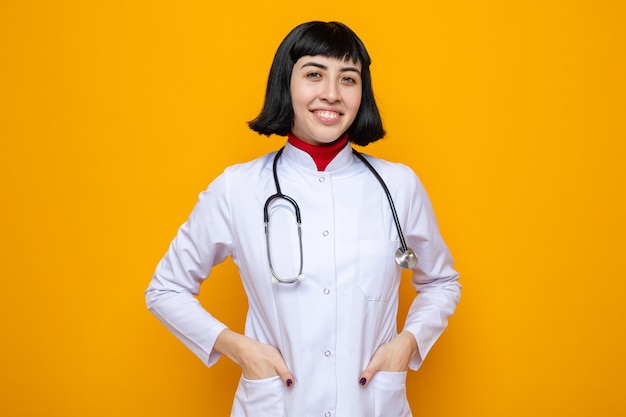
330	39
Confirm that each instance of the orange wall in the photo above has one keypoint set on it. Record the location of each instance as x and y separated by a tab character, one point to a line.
114	115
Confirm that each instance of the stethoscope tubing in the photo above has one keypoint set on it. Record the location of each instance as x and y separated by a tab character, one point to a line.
405	256
391	205
266	221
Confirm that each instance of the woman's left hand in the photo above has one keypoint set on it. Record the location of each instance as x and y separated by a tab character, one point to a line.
393	356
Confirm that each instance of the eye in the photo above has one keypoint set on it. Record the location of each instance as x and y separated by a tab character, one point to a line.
349	80
314	75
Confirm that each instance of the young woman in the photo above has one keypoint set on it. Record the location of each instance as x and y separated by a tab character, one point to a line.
321	268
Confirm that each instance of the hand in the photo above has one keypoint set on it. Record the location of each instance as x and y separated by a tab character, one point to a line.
393	356
257	360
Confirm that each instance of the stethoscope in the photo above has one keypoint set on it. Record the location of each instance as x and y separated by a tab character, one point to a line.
404	256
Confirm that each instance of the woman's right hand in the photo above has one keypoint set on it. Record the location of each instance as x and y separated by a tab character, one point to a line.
257	360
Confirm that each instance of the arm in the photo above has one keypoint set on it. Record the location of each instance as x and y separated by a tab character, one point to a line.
203	241
436	283
434	279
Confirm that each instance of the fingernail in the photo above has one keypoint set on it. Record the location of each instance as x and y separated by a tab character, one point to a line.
289	382
362	381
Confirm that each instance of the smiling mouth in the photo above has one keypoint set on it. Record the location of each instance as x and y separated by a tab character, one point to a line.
327	116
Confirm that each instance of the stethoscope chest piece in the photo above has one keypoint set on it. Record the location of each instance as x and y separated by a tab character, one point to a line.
406	258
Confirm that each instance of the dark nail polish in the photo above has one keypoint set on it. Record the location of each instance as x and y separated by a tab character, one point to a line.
289	382
362	381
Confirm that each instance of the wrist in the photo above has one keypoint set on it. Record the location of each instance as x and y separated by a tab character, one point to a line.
229	344
410	342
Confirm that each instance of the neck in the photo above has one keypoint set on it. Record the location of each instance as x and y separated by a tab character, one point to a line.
323	154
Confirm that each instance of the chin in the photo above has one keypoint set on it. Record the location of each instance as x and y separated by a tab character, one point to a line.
329	138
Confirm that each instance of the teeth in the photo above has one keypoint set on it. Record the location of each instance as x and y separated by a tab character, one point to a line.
327	114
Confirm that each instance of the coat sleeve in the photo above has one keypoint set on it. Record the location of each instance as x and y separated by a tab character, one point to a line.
434	278
203	241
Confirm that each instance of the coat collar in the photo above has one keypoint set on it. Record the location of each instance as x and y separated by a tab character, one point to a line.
299	157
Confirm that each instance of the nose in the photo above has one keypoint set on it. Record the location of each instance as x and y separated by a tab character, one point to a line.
330	92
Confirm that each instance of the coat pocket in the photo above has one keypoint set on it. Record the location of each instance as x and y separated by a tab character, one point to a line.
259	397
377	268
390	395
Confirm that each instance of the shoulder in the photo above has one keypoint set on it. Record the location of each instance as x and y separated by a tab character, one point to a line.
395	170
243	171
248	168
402	181
235	181
242	176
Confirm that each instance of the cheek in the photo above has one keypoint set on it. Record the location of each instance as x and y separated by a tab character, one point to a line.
295	92
355	102
300	98
296	104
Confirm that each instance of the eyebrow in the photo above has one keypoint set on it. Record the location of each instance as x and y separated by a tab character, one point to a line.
324	67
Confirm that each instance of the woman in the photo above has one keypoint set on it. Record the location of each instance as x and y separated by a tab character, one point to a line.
320	336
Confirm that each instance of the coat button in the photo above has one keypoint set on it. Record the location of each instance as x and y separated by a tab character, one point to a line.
325	233
326	291
322	179
327	414
327	353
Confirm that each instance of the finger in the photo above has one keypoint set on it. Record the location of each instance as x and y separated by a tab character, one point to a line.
367	375
285	375
373	366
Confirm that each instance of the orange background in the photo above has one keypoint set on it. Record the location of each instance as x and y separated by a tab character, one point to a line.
114	115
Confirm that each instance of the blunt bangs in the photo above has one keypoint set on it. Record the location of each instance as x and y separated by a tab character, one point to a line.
330	39
333	40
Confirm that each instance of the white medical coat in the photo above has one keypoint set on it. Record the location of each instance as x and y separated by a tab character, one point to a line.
328	326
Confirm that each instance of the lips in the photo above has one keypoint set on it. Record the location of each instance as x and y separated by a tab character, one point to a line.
326	116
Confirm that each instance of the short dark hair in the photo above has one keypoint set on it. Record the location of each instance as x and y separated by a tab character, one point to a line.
330	39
